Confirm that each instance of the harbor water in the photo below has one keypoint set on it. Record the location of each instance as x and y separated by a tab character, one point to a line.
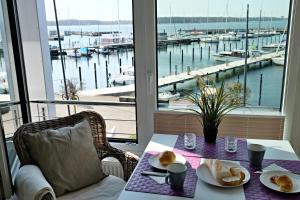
272	74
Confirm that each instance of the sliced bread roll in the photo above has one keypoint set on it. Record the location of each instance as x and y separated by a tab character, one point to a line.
231	181
225	175
217	169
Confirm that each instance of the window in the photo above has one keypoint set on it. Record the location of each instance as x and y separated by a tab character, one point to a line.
205	37
96	65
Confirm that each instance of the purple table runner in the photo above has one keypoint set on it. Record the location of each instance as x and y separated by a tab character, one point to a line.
140	183
216	150
254	189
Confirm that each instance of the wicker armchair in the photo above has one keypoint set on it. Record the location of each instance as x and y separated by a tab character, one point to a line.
98	127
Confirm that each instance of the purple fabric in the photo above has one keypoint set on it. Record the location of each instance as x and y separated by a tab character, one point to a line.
255	190
216	150
140	183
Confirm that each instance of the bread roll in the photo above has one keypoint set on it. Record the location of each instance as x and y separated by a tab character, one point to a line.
284	182
217	169
236	171
231	181
167	158
225	175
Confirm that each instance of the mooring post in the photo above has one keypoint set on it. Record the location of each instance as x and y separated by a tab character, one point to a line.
182	57
217	48
260	89
80	77
106	67
217	76
260	64
95	72
230	46
235	45
193	54
174	87
120	64
224	46
170	63
200	53
208	51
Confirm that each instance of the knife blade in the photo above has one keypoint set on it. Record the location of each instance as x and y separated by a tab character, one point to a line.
149	173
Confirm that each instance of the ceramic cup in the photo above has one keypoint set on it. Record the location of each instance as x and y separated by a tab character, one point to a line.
176	175
256	154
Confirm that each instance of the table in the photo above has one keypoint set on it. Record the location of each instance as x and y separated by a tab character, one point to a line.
276	149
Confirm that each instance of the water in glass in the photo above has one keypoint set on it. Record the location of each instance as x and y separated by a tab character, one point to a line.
230	144
190	140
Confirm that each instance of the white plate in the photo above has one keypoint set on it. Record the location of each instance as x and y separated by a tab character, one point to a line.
154	161
204	174
265	180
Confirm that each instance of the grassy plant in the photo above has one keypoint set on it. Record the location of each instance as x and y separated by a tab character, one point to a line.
214	102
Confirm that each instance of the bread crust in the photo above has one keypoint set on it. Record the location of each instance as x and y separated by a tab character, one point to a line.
284	182
167	157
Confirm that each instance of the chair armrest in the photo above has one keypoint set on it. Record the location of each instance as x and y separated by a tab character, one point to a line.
31	184
128	160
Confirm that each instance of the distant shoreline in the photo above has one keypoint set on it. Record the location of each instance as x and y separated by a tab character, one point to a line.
163	20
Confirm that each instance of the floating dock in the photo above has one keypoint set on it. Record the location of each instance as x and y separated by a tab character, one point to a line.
182	77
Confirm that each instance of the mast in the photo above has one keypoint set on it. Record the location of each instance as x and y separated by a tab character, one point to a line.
259	24
246	57
118	17
226	16
207	17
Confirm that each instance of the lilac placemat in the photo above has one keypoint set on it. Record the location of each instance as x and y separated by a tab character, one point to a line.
216	150
140	183
254	189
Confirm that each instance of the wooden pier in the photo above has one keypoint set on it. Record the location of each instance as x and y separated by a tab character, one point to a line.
185	76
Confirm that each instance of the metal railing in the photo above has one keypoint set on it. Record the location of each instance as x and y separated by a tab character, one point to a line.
41	115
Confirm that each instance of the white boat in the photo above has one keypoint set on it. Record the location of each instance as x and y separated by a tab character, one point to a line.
73	53
212	39
107	39
162	36
126	77
229	37
274	47
278	60
103	50
122	80
229	56
167	96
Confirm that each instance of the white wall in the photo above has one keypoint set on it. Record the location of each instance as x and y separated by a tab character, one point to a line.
292	92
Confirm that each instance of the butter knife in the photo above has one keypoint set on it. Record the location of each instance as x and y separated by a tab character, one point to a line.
149	173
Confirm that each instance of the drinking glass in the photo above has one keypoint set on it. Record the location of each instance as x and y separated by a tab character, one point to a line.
190	140
230	144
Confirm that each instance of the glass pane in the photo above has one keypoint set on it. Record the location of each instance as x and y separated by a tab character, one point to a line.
209	37
98	58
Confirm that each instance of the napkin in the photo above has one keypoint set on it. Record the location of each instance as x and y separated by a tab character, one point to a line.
158	179
274	167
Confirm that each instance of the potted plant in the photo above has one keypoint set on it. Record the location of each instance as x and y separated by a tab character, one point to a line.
213	103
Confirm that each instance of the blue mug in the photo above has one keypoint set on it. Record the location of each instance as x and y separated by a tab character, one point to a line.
176	175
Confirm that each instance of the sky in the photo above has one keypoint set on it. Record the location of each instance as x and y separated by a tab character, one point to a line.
107	10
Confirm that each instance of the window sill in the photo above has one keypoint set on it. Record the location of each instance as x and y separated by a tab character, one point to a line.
249	111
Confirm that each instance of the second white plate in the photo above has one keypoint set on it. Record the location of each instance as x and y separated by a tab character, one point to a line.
204	174
265	180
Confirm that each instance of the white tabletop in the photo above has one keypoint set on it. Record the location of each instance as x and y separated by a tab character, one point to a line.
276	149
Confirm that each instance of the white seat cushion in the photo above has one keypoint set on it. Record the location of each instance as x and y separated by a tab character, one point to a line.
107	189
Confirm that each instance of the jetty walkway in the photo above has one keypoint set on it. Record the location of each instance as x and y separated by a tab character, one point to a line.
185	76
